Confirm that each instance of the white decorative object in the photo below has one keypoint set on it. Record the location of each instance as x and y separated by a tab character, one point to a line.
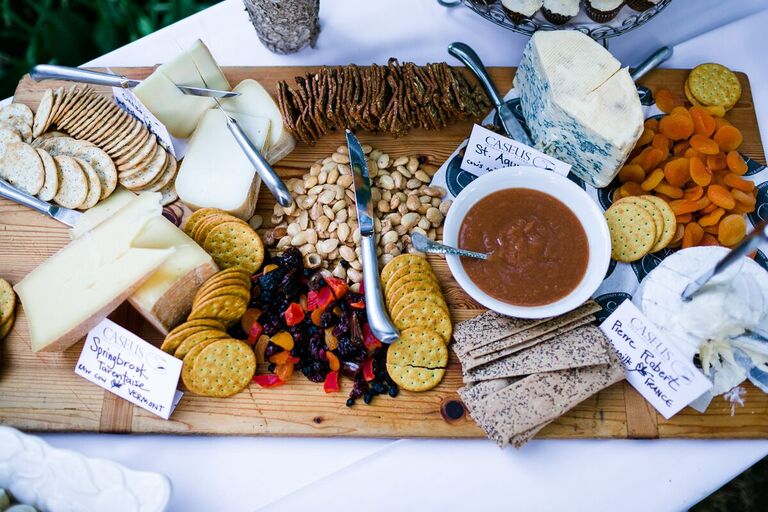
64	481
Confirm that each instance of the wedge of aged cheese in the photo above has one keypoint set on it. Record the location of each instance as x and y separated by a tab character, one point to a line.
80	285
255	101
164	299
215	172
580	105
181	112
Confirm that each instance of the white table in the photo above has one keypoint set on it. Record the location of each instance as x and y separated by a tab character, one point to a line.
248	473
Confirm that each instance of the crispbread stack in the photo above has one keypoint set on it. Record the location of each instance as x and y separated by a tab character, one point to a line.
107	144
417	360
520	375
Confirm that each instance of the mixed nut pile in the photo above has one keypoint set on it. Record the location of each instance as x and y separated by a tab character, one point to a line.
322	221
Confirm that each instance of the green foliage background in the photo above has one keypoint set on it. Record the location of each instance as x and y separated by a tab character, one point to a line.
71	32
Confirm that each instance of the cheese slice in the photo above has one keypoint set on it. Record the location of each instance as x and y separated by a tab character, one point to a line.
215	172
255	101
79	286
181	112
165	299
580	105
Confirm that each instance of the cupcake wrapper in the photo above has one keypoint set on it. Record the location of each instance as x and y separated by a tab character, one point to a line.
553	17
514	17
601	16
639	5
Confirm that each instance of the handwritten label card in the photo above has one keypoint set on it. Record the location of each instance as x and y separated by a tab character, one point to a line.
133	369
131	103
488	151
653	366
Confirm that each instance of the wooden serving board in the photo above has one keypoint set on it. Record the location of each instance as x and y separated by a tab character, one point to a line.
42	392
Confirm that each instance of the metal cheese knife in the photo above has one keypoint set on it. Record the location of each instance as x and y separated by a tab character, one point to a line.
86	76
749	244
378	319
61	214
509	122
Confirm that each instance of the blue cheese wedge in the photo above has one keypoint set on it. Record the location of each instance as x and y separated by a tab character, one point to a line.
580	105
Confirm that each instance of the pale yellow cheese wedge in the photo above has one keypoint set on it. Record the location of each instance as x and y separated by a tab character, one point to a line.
76	288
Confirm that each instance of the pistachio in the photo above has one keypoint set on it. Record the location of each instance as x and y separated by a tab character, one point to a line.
256	221
326	246
294	229
340	158
422	176
383	161
445	206
413	202
355	276
312	261
412	184
326	197
345	170
400	161
347	253
307	249
303	220
413	164
322	177
386	182
339	271
284	242
404	171
343	150
343	232
424	223
345	181
322	223
299	239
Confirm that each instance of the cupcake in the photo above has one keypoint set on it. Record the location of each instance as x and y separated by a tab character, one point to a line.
518	10
560	11
602	11
641	5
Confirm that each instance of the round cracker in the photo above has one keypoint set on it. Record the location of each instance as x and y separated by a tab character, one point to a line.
149	172
118	121
93	113
169	172
133	135
226	309
43	114
402	260
410	287
235	244
73	183
198	216
94	185
174	338
38	142
237	290
5	328
210	222
7	300
21	166
633	232
189	363
17	111
63	145
426	315
650	207
412	298
406	274
193	339
68	97
51	184
417	360
670	222
108	117
714	84
24	131
224	368
130	159
103	166
78	109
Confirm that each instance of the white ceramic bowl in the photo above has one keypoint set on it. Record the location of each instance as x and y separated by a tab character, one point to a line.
580	203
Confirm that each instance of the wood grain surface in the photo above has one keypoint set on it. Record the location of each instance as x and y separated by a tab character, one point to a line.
42	392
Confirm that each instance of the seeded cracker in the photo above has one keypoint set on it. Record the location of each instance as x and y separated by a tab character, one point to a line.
407	274
237	290
7	301
403	260
227	309
633	232
51	182
235	244
8	135
714	84
426	315
21	166
196	217
148	172
103	165
178	334
409	287
73	185
417	360
224	368
414	298
193	339
658	218
43	114
94	185
187	377
670	222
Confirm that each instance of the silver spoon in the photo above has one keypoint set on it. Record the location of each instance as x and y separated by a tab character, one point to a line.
424	244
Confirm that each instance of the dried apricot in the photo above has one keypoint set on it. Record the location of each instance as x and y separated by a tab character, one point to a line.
666	100
684	218
652	159
639	157
708	239
717	162
693	193
678	237
668	190
653	179
712	218
683	206
646	137
744	198
709	209
680	111
720	196
631	188
704	144
693	235
652	123
720	122
728	138
681	148
734	181
742	208
676	126
732	230
676	172
712	230
631	172
661	142
703	122
736	163
690	153
699	172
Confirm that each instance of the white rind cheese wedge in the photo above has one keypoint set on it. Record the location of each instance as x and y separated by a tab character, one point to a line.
80	285
580	105
181	112
165	299
255	101
215	172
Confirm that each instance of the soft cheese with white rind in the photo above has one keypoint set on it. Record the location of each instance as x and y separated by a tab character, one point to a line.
215	172
76	288
165	299
254	100
580	105
181	112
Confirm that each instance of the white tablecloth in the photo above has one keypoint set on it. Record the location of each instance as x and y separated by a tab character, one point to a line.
239	473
